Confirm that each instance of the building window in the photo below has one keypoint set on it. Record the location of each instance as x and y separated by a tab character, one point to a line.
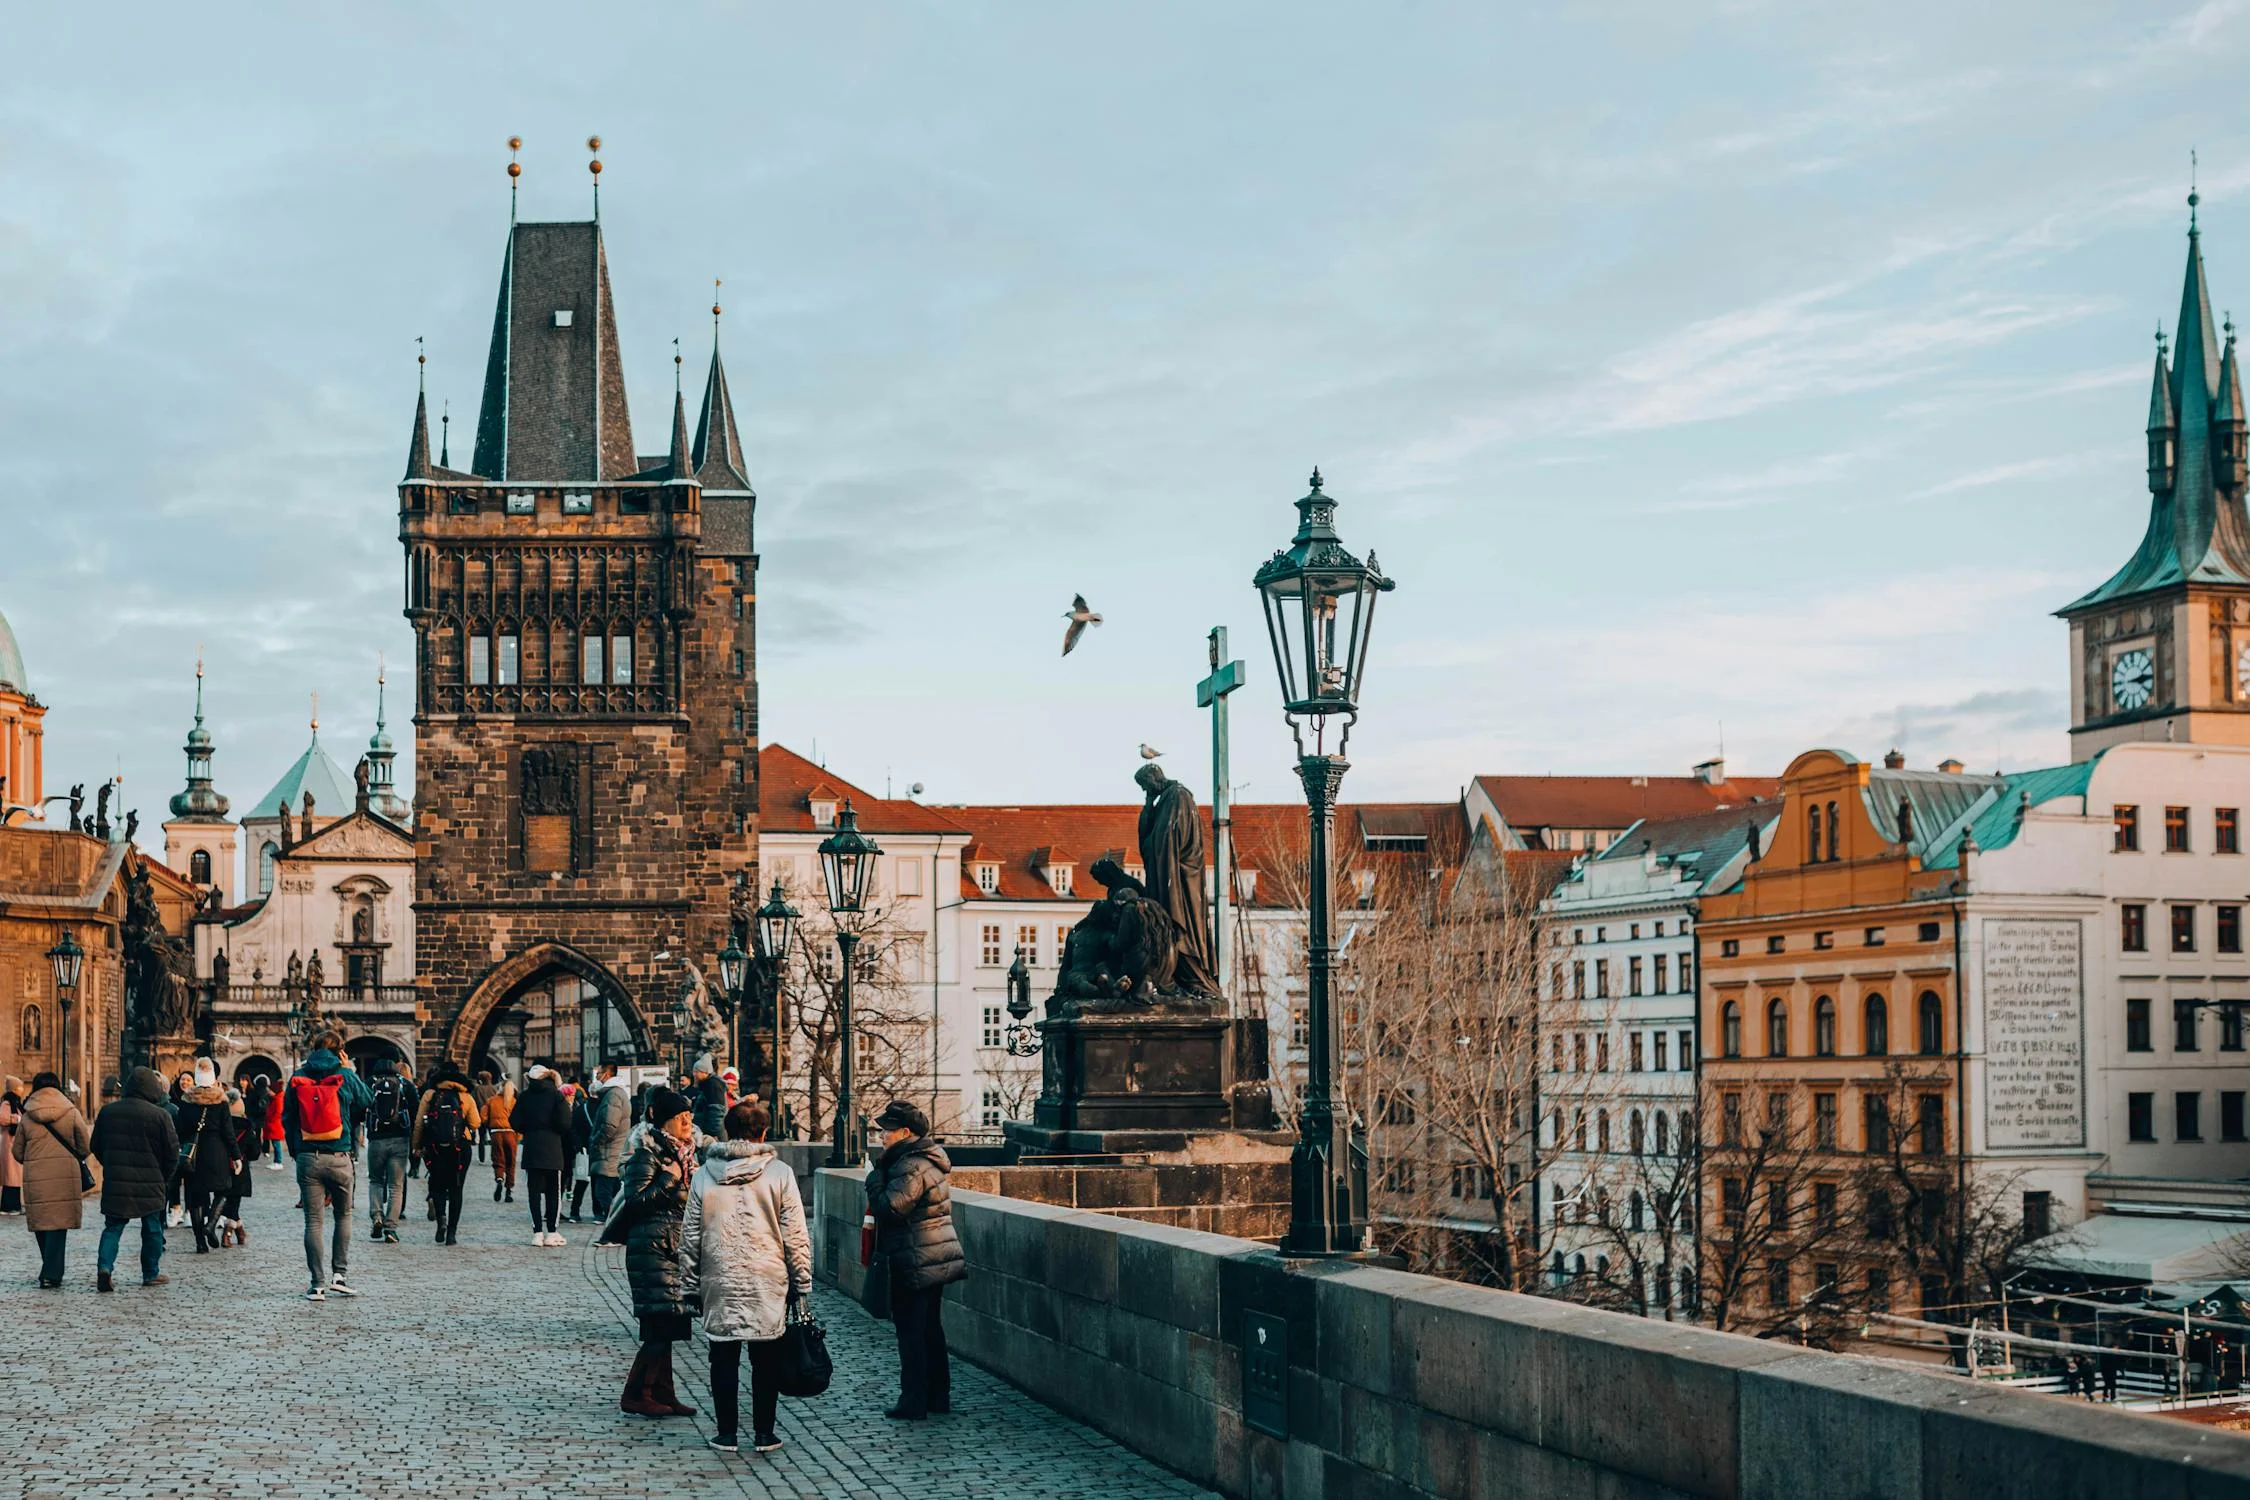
2184	1036
1878	1214
1728	948
1601	1131
991	945
1774	943
2230	1115
2183	929
1601	1053
266	855
992	1026
1658	1039
988	878
511	661
2230	1028
1777	1283
620	658
1578	1052
1578	980
2126	822
1662	979
1601	979
1554	1054
1687	973
2132	927
2175	830
1687	1048
1824	1027
1873	937
480	660
2187	1116
1929	1123
989	1115
1930	1023
1633	1055
1730	1203
2038	1215
1730	1120
2140	1117
2226	830
1777	1028
1824	1121
1834	827
1058	876
2136	1027
199	867
1879	1288
1929	932
1812	834
1875	1016
1877	1109
1632	976
1824	940
590	661
2230	929
1027	939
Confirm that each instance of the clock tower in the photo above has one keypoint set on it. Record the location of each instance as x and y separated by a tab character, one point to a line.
2162	650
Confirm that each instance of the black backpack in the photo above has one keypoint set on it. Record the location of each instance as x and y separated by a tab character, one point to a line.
442	1121
390	1116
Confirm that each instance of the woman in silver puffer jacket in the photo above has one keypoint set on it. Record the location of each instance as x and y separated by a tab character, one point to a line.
747	1255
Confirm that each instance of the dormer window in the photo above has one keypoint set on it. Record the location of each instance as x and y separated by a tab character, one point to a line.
1364	880
988	878
823	812
1137	872
1058	876
1245	886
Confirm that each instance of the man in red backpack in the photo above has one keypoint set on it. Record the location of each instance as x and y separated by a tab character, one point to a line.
324	1108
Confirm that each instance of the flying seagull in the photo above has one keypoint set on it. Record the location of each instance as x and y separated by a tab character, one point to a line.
1150	752
1080	617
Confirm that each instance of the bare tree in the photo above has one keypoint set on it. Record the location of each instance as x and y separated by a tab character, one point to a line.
892	1057
1636	1219
1775	1208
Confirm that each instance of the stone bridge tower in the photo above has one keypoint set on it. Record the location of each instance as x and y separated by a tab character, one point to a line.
585	731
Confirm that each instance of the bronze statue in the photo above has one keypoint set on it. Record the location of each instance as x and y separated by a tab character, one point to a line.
101	810
1171	840
77	805
288	834
316	977
222	969
161	1000
132	824
359	781
305	824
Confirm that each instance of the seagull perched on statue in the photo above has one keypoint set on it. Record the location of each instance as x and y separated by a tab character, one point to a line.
1150	752
1080	617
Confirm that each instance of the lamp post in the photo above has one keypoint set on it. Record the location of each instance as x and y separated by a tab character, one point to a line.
68	959
1022	1037
1319	605
847	857
771	934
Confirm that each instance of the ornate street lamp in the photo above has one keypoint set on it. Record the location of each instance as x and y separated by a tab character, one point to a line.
847	858
68	959
1022	1037
1319	605
771	933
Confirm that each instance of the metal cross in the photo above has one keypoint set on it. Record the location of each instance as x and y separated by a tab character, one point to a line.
1211	693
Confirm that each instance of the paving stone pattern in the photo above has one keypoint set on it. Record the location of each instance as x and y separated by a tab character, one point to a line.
491	1368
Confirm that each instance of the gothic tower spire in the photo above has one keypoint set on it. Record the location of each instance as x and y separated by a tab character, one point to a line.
199	802
418	443
718	442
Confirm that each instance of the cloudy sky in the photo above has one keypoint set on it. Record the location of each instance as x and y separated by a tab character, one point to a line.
1771	371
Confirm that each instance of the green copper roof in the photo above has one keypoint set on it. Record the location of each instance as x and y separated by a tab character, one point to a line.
313	772
1996	817
2196	533
1937	799
12	674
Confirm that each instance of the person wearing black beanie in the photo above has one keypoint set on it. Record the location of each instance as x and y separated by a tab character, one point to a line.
912	1205
651	1200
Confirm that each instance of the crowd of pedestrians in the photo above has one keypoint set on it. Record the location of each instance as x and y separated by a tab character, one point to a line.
685	1182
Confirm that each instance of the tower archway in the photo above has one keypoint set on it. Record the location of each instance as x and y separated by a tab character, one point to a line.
551	1004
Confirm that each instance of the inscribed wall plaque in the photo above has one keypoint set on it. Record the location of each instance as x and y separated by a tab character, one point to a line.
2034	1034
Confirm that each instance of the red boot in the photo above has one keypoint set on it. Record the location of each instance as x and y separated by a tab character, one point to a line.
661	1387
639	1399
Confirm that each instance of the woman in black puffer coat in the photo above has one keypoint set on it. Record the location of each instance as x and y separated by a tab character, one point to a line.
652	1196
912	1205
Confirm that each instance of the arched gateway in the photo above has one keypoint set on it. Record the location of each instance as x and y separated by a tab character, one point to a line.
549	1003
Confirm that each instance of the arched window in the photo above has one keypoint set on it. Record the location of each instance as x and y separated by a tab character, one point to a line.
1636	1133
1663	1134
1777	1028
199	867
1687	1130
1812	834
1824	1027
1730	1030
1636	1211
1832	833
1929	1015
34	1034
1878	1026
1601	1131
1578	1265
266	855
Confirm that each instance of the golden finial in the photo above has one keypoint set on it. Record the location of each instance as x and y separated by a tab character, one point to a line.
714	299
421	365
594	143
515	171
316	716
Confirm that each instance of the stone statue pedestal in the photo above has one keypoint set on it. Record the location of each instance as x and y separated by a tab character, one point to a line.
174	1055
1151	1083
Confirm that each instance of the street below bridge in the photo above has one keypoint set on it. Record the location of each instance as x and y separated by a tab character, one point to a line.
461	1373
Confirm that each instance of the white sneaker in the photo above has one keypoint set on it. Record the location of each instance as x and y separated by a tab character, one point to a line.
273	1166
337	1288
315	1294
556	1241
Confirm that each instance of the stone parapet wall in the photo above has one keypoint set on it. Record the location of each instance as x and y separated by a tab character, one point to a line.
1403	1386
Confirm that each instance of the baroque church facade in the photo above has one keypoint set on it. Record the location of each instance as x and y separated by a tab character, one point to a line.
586	704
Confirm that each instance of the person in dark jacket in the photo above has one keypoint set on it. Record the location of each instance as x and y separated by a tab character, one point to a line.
652	1198
390	1142
445	1129
139	1149
207	1153
324	1107
542	1122
710	1101
249	1140
912	1205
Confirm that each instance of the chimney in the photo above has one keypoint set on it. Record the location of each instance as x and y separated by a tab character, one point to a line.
1711	772
1895	761
1950	767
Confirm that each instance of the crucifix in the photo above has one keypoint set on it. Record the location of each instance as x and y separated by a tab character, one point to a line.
1211	693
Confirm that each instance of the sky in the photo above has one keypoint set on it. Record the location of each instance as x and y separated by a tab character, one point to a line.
1752	375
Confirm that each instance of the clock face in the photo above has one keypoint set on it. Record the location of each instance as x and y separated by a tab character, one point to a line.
2132	679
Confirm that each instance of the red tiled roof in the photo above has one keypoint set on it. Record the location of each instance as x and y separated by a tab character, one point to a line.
1615	802
787	782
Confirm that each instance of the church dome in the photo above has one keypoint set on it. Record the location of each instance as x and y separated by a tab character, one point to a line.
12	674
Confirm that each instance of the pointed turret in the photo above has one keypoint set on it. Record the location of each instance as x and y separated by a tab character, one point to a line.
418	445
554	384
2228	452
682	461
718	443
2163	424
382	789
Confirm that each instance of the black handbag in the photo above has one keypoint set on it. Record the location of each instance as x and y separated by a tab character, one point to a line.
806	1368
875	1289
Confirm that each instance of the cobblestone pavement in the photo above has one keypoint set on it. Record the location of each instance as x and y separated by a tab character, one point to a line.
483	1370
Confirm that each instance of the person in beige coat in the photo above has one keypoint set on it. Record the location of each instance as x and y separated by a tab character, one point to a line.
52	1140
747	1256
11	1170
